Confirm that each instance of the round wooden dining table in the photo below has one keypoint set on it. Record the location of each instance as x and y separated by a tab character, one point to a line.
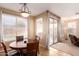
20	45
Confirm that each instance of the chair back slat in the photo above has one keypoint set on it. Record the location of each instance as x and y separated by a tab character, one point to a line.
19	38
4	47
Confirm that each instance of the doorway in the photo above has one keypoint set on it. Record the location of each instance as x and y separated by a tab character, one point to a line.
52	31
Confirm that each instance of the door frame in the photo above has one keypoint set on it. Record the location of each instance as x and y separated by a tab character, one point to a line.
53	31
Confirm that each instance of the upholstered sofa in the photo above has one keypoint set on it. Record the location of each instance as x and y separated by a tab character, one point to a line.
74	39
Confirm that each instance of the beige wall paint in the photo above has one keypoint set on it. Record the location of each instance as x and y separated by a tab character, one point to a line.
7	11
31	27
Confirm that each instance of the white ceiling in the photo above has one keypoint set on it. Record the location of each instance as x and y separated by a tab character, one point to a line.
61	9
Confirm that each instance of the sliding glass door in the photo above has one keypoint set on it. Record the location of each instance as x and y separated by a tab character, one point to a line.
52	30
55	31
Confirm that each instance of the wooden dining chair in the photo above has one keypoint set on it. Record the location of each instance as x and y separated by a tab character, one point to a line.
37	38
32	49
10	53
19	38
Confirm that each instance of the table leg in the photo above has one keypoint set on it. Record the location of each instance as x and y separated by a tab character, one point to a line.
19	52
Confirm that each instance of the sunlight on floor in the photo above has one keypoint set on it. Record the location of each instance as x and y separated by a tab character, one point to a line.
56	52
51	52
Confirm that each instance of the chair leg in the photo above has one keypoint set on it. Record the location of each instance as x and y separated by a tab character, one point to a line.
6	54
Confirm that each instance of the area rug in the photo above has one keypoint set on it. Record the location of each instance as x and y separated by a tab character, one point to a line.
67	48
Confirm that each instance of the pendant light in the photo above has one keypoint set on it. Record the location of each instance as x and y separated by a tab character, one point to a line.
24	10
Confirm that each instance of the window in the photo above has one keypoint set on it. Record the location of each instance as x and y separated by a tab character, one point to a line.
12	26
22	27
72	28
9	27
39	27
